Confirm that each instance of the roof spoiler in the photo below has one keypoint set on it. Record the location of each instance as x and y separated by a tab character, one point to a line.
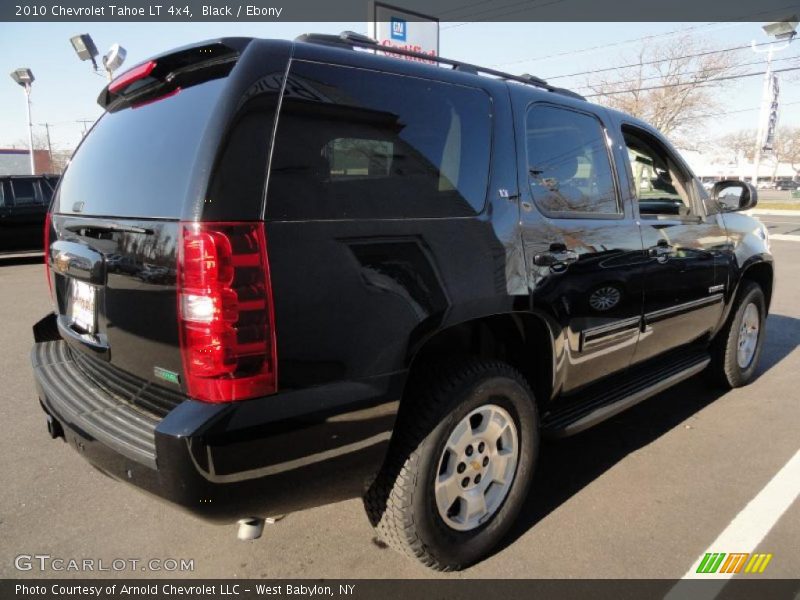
167	74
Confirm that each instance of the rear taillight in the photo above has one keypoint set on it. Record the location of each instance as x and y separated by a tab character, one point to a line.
48	221
226	312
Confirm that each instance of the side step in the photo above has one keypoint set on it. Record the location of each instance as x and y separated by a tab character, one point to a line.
618	393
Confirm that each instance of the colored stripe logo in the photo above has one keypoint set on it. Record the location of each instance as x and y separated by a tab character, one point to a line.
720	562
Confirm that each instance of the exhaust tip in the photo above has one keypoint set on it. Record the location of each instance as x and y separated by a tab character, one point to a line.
250	528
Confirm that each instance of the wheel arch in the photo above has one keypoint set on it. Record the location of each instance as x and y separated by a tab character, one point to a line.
522	339
762	273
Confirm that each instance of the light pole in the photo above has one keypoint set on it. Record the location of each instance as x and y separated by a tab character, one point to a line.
24	77
781	31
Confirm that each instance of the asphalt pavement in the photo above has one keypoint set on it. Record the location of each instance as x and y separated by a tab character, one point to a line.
641	496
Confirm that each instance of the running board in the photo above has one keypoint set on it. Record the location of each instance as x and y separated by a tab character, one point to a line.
618	394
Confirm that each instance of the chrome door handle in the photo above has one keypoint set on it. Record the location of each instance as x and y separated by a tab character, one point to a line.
554	258
661	251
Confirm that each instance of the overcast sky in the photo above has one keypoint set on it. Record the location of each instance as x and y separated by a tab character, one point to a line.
66	89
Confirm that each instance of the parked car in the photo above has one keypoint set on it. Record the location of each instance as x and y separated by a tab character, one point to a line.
23	205
393	291
786	185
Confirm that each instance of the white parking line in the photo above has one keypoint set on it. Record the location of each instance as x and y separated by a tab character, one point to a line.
748	528
784	237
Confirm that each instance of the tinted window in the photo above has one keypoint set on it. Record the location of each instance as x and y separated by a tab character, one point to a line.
3	194
658	183
137	162
353	143
47	186
569	167
357	158
26	192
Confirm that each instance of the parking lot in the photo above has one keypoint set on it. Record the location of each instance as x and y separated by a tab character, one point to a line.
643	495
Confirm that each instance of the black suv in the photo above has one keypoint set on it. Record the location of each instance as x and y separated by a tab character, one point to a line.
287	273
23	205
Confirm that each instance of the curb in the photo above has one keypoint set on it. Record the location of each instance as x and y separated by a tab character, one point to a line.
775	212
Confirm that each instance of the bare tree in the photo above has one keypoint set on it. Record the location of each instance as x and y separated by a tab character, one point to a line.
39	142
739	141
667	84
60	159
787	147
60	156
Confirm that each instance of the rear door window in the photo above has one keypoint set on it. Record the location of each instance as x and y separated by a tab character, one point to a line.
569	168
26	191
353	143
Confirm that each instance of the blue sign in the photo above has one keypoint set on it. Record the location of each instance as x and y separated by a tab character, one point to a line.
398	29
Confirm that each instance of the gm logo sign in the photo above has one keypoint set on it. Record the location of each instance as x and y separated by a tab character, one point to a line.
398	29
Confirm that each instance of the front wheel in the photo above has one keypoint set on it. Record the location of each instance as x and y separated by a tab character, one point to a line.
737	348
459	465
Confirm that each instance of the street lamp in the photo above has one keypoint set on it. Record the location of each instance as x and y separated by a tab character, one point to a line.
781	31
86	50
24	77
113	59
84	47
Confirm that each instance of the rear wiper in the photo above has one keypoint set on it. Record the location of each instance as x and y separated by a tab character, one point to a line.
110	227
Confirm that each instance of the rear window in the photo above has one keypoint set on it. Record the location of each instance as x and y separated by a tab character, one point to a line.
353	143
137	162
26	191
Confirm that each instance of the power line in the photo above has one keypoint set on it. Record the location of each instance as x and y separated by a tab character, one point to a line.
733	112
84	122
603	46
669	85
479	3
731	23
503	14
659	60
755	62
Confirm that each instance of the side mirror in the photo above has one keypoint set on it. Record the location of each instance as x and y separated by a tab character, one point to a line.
733	195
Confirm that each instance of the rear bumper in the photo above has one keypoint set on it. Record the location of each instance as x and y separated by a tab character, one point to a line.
222	462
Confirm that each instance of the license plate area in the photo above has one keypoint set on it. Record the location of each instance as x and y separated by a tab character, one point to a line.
82	306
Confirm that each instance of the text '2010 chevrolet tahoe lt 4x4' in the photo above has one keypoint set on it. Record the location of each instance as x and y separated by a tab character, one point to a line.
287	273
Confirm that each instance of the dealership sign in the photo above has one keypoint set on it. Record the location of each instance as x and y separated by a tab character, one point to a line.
770	115
404	29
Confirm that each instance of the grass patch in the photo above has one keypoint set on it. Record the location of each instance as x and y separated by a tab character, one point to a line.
779	205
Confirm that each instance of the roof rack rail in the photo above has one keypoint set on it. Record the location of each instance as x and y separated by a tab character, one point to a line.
358	40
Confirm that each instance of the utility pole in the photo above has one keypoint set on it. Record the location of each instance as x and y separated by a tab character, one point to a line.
49	145
84	121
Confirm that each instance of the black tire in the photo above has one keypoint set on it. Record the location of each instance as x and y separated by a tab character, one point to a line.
401	502
724	369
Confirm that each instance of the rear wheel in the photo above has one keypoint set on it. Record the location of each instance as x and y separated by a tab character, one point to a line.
737	348
459	466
